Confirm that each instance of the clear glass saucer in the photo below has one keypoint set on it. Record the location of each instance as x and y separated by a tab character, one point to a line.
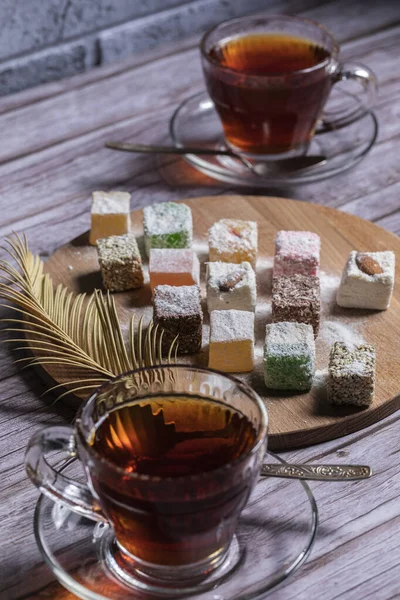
275	535
196	123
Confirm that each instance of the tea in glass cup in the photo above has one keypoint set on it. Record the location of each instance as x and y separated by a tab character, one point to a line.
171	454
270	77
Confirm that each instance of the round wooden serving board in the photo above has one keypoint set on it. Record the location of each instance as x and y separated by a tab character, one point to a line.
295	420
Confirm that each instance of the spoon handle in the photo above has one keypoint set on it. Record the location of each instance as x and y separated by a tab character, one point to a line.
261	169
317	472
144	148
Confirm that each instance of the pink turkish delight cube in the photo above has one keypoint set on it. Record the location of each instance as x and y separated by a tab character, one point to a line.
173	266
297	252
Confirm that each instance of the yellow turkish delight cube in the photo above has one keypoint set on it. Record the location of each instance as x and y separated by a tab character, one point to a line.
231	341
110	215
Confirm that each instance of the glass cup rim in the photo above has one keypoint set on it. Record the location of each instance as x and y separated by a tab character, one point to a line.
244	387
266	17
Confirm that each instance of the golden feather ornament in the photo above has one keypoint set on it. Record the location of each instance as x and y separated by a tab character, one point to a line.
78	333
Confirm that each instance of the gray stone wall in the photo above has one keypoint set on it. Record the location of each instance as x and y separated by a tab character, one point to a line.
45	40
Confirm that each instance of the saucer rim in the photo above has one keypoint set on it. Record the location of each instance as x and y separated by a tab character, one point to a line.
224	174
67	581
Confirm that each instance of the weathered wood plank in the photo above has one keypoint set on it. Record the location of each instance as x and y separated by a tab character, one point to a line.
350	20
377	204
55	88
391	222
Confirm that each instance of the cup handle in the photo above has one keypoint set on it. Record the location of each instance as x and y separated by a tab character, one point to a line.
54	484
366	99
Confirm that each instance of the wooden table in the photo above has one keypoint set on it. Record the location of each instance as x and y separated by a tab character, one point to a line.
52	157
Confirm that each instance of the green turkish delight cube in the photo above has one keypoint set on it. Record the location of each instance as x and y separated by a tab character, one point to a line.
167	225
289	356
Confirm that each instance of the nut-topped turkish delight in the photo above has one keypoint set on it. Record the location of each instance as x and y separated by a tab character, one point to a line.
233	241
167	225
120	262
289	356
351	374
231	286
231	341
173	266
110	215
296	298
296	252
177	311
367	280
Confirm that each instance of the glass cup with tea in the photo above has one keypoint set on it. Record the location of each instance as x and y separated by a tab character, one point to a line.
170	454
270	77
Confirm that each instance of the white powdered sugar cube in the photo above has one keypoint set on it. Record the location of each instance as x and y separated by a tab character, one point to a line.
367	280
231	286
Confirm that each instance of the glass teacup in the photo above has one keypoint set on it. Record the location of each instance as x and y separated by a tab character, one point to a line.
171	454
270	77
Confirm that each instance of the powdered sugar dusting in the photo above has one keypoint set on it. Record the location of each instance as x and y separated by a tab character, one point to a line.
329	286
200	246
321	378
357	367
320	384
265	262
264	312
338	331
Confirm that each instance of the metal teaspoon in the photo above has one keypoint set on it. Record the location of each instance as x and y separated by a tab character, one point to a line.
262	169
317	472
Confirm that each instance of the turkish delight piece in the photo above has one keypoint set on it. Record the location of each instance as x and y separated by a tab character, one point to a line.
351	377
233	241
110	215
177	311
120	262
367	280
289	356
296	252
167	225
231	286
296	298
172	266
231	341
